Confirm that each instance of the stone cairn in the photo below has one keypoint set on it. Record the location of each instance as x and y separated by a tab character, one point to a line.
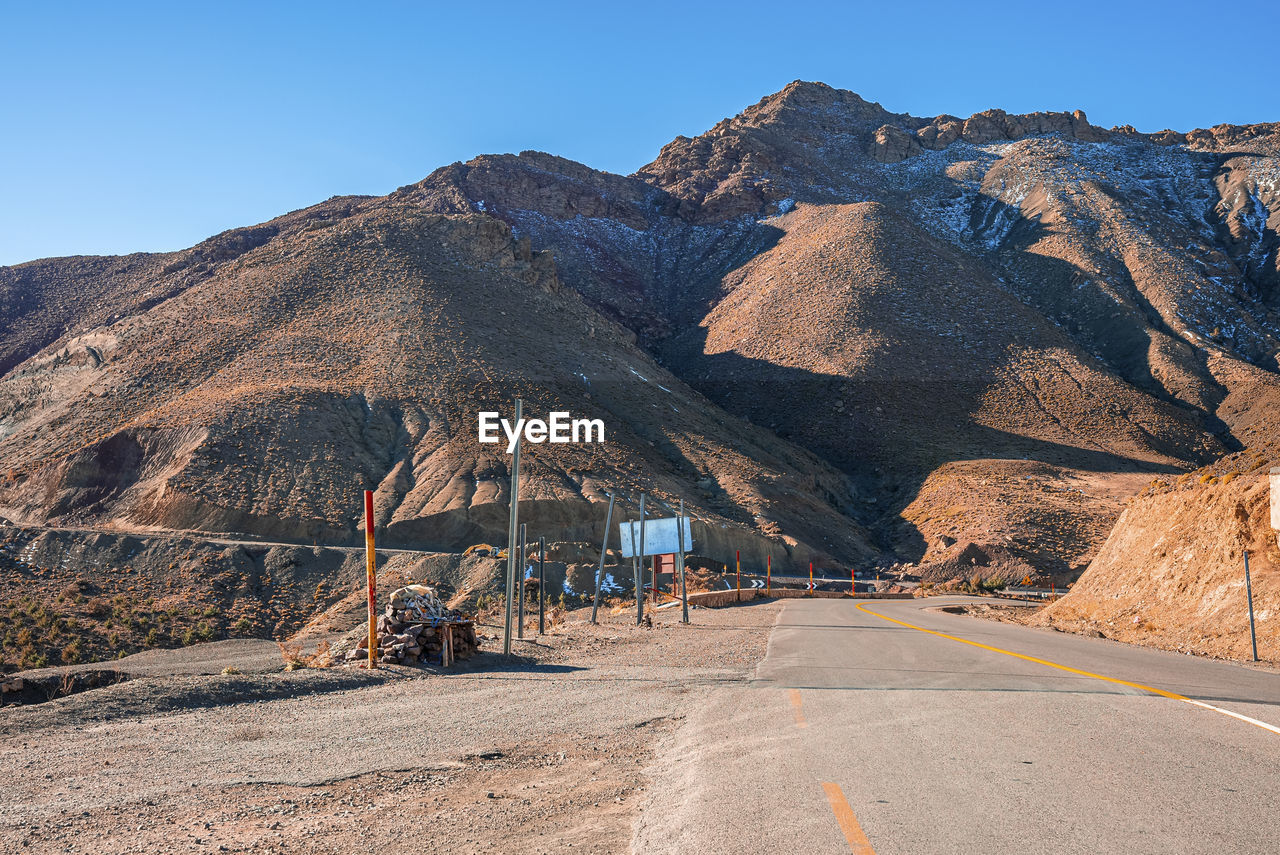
417	626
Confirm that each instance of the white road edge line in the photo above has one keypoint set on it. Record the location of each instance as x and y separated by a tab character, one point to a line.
1245	718
1174	696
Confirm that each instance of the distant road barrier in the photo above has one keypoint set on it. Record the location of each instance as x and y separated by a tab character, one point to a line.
714	599
1032	593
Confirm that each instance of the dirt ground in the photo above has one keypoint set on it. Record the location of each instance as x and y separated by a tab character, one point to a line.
1019	613
543	752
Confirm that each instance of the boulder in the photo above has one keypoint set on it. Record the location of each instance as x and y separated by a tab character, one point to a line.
892	144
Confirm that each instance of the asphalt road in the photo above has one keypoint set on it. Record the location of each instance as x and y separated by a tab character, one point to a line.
864	735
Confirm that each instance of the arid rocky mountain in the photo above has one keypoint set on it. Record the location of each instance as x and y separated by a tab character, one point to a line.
835	330
354	351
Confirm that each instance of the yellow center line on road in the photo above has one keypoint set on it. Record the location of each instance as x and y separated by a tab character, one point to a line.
853	833
1152	689
797	708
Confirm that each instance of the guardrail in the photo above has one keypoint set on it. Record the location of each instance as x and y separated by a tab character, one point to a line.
1032	593
715	599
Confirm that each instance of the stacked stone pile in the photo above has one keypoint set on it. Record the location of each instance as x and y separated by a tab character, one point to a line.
417	626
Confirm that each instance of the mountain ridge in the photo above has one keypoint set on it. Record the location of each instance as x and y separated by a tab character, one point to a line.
1111	297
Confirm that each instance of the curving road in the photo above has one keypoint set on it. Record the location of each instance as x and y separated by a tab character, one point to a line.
889	727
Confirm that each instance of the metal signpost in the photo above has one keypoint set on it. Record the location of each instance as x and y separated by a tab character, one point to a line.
1248	590
635	574
604	549
512	524
542	585
681	520
640	569
661	536
668	536
524	569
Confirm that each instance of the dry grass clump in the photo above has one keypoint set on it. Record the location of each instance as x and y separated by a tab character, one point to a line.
296	660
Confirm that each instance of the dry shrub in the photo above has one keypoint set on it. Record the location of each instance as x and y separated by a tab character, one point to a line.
489	610
296	660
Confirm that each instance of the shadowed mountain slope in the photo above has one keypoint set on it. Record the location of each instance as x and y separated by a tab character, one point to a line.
355	353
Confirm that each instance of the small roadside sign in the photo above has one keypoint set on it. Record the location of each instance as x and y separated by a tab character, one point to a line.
661	537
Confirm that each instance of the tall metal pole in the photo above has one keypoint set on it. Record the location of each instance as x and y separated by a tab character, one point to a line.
631	530
737	561
512	524
371	572
524	564
640	569
542	584
604	548
684	589
1248	589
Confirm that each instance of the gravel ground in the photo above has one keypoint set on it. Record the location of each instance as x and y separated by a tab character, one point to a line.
544	752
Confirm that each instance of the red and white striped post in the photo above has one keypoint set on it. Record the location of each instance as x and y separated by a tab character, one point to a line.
370	563
853	574
737	561
768	576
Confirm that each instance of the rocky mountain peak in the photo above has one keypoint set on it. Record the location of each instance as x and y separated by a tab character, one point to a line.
806	102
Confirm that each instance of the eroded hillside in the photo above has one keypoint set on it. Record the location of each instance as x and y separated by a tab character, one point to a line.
837	331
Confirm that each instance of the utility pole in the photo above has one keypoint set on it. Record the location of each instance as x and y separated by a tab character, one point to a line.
604	548
640	569
542	584
512	524
1248	590
524	564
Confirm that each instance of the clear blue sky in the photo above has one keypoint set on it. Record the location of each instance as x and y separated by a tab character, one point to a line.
130	127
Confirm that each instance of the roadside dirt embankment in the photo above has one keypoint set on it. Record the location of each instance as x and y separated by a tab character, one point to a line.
1171	575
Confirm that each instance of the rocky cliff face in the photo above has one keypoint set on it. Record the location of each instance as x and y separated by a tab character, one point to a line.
1171	574
826	324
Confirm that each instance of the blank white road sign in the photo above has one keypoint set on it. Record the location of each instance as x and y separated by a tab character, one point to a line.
660	537
1275	498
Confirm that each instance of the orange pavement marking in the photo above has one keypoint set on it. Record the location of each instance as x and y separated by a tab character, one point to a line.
797	708
858	842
